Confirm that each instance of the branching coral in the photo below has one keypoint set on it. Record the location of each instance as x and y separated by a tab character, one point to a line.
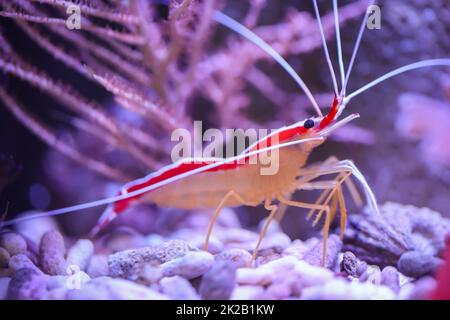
155	67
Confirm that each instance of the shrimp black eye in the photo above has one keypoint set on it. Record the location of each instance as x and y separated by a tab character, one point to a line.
308	124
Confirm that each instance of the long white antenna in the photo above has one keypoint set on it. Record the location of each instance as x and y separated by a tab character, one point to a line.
160	184
325	48
339	47
251	36
393	73
357	44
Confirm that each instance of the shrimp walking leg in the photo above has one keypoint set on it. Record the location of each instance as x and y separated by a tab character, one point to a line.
328	195
342	210
326	208
332	193
281	211
273	210
316	170
222	204
304	205
304	176
317	185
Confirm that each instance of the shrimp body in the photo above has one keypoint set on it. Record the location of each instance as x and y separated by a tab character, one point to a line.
206	190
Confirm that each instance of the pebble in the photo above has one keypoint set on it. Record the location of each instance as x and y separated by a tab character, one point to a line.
80	253
122	239
198	239
297	249
228	218
275	240
247	292
21	261
178	288
4	284
417	264
391	278
238	257
265	274
287	286
129	263
71	281
312	275
105	288
98	266
340	289
154	239
4	257
218	282
274	227
149	274
55	294
362	267
200	220
275	270
189	266
234	236
6	273
420	290
315	255
52	250
13	243
371	275
34	229
27	284
269	254
350	264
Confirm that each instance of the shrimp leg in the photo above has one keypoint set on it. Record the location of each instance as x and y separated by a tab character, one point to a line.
222	204
273	210
340	167
342	209
349	183
283	207
326	208
334	195
315	171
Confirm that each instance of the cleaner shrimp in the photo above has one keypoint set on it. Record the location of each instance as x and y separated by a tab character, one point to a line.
213	183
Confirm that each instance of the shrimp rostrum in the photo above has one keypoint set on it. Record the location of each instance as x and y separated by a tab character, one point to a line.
214	183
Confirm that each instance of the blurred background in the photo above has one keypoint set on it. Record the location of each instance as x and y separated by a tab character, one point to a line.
399	143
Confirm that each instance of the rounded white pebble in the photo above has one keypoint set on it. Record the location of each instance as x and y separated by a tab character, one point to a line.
178	288
190	266
98	266
80	253
266	273
21	261
13	243
246	293
4	284
340	289
105	288
238	257
34	229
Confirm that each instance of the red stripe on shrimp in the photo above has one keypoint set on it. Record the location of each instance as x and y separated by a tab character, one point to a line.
331	115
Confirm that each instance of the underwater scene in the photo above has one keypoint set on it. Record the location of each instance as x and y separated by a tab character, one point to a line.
224	150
